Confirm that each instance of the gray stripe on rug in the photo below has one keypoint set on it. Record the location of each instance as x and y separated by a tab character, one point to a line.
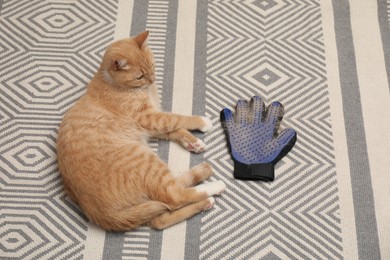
193	232
113	245
169	61
140	13
366	226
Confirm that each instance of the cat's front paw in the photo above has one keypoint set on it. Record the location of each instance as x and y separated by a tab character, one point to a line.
196	147
207	124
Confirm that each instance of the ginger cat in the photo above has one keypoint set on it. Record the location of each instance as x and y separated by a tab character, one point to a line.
103	156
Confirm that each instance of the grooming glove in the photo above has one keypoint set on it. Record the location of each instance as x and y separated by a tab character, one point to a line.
253	138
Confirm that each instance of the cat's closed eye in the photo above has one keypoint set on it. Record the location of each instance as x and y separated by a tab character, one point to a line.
140	77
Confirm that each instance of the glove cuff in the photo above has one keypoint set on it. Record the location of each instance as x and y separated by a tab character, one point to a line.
259	171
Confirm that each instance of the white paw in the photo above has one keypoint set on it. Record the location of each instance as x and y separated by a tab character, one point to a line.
212	188
196	147
208	124
210	204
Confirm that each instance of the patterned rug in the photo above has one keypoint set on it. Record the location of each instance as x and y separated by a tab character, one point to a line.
327	61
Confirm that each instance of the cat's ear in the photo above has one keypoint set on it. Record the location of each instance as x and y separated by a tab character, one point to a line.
119	64
142	39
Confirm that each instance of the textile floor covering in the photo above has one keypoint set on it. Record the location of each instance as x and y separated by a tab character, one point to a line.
327	61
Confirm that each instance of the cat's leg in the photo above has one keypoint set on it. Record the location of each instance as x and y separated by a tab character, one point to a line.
195	175
181	213
180	196
169	190
184	138
168	219
167	122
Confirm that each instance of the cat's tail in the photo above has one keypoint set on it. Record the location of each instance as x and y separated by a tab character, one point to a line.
134	216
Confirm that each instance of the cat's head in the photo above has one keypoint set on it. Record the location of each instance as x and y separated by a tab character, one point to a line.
129	63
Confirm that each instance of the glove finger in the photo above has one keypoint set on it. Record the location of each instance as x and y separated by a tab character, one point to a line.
257	108
284	142
275	114
242	112
286	137
227	118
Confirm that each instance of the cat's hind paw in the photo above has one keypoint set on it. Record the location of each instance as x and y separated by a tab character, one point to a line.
196	147
211	201
211	188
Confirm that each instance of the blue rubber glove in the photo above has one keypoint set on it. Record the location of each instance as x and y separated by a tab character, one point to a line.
253	139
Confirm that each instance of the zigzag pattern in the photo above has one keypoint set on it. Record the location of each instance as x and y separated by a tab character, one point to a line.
272	48
49	50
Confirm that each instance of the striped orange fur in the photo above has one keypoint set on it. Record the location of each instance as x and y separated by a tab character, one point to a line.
103	156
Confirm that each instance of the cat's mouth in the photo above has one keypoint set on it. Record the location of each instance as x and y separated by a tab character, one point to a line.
136	89
141	86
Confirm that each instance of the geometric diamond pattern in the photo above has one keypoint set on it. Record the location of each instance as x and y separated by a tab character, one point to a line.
266	8
273	49
30	156
266	77
265	5
45	83
48	51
